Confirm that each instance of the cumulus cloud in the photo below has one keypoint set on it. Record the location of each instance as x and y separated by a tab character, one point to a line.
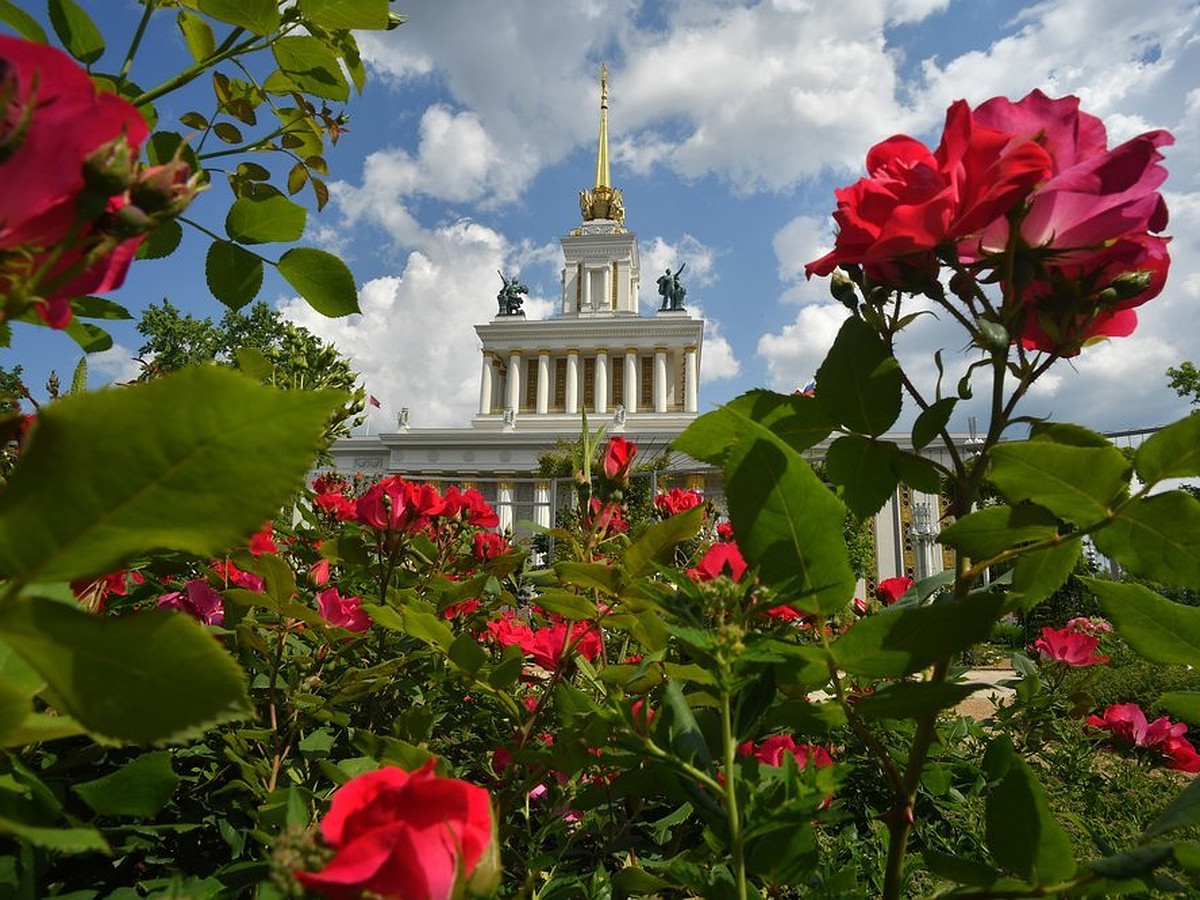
117	363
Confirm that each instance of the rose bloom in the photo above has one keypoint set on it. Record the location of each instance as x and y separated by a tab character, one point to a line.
618	458
675	501
54	120
914	200
263	541
231	574
394	504
487	545
606	517
771	749
720	559
407	836
470	506
199	600
342	612
1072	648
892	589
1128	724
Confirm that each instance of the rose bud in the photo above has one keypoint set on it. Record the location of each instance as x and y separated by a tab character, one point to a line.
108	168
164	191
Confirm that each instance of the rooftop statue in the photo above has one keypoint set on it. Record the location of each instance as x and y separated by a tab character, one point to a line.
670	289
510	298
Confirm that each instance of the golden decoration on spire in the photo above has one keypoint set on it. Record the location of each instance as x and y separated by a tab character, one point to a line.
603	201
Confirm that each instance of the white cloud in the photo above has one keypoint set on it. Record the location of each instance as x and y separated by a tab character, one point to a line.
718	361
795	352
117	363
658	255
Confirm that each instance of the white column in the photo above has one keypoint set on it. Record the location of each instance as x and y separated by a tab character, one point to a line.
601	381
514	380
689	379
485	385
571	390
606	303
631	380
586	275
543	382
541	512
504	506
660	379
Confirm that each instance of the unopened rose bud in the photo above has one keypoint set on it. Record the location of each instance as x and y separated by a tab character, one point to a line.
962	285
1125	286
108	168
843	291
995	336
131	221
164	191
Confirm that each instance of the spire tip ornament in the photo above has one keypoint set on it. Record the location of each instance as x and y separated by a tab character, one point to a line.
603	201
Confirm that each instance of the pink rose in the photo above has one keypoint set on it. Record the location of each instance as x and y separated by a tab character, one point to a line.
1070	647
54	121
408	835
198	600
342	612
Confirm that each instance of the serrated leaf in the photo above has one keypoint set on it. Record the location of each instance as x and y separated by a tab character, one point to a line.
194	120
260	16
267	219
297	178
994	529
1173	452
150	677
62	840
1039	573
76	30
959	870
859	384
1039	850
466	653
21	22
322	279
424	626
343	15
215	456
1132	863
91	338
99	308
233	273
197	34
311	67
16	703
932	421
658	541
1159	630
141	787
1077	484
864	469
161	241
1156	537
900	641
320	191
317	164
908	699
228	132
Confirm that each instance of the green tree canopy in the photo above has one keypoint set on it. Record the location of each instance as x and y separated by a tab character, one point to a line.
1185	380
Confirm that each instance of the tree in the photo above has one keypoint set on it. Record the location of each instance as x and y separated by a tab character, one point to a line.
261	344
1185	380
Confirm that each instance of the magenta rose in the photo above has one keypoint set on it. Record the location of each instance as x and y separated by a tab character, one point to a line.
1072	648
407	836
342	612
54	121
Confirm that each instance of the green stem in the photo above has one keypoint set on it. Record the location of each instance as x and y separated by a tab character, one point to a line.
134	44
228	48
736	841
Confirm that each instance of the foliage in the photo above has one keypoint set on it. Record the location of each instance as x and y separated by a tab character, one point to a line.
1185	380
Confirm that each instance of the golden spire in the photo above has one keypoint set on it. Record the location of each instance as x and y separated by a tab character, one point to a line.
603	201
602	178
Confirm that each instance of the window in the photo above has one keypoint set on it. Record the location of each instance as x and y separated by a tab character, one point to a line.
647	400
560	384
531	371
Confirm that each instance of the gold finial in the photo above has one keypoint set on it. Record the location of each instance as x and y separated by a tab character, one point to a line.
603	201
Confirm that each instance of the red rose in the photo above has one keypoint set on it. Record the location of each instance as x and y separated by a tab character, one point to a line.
721	559
892	589
342	612
53	122
675	501
1070	647
408	836
198	600
618	458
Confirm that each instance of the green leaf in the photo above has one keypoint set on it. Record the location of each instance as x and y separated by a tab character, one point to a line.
1038	574
150	677
994	529
311	67
898	641
322	279
233	273
466	653
339	15
99	308
1156	537
1021	832
1077	484
259	16
797	420
859	383
214	457
259	221
161	241
91	338
908	699
568	605
40	727
931	421
297	178
592	576
960	870
1173	452
62	840
139	788
1132	863
865	470
1184	704
15	706
660	539
228	132
76	30
1159	630
424	626
197	34
789	525
1181	812
683	732
21	22
1067	433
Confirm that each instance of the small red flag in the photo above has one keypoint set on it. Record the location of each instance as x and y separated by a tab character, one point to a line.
375	402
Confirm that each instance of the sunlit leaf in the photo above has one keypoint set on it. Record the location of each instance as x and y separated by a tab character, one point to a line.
263	220
322	279
234	274
197	34
76	30
260	16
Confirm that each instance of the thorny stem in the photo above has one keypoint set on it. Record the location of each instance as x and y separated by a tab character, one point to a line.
134	44
736	840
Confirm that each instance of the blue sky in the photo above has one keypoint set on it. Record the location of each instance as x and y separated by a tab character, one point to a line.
731	125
